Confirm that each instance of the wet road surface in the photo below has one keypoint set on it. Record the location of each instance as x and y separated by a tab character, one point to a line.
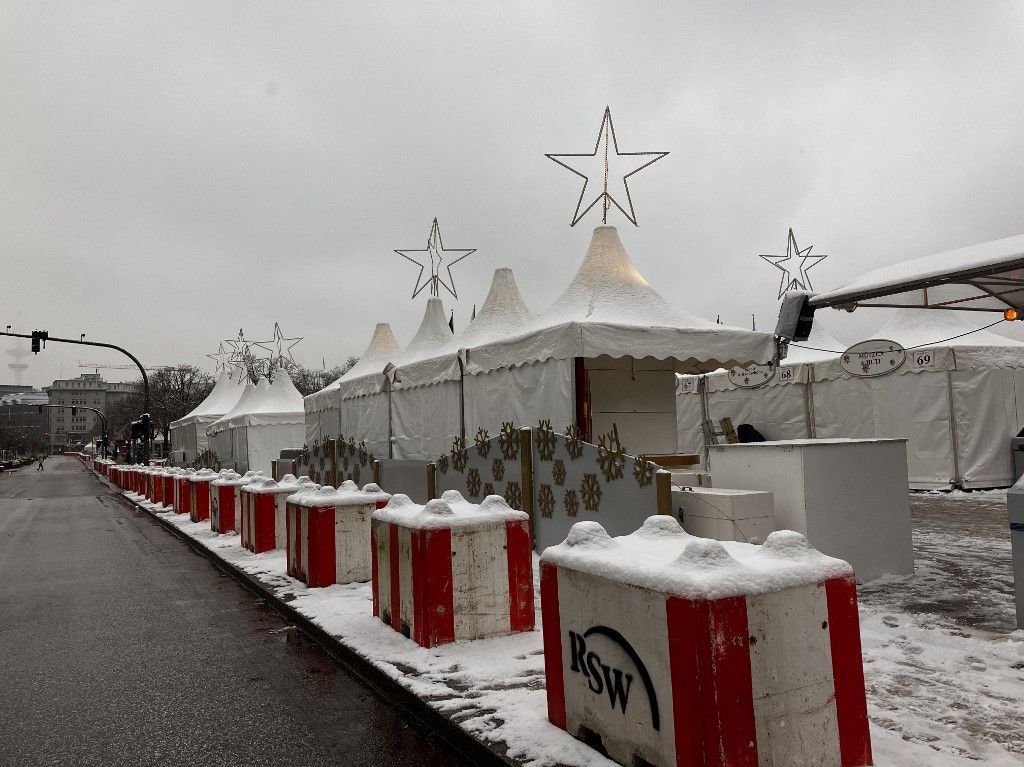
119	646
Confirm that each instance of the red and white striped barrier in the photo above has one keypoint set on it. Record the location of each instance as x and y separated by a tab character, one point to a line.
263	512
183	491
328	533
451	569
199	494
224	501
669	649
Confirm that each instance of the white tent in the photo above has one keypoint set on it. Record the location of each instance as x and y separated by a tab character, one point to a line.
188	433
956	400
426	393
604	353
325	412
780	409
268	419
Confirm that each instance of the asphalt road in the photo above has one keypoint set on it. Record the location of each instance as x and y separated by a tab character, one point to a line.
119	646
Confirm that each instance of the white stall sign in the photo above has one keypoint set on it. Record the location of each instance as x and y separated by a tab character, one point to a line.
752	376
923	359
873	358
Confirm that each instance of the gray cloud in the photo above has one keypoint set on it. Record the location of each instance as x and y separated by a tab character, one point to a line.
172	172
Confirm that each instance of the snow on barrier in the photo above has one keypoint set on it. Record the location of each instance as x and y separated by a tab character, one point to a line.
452	569
263	511
199	494
662	648
224	500
168	476
183	492
328	532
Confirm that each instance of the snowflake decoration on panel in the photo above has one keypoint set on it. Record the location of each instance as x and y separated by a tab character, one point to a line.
610	454
643	471
546	501
442	464
558	472
488	489
802	280
351	446
573	443
460	455
546	440
508	441
473	482
498	470
435	255
610	171
513	495
572	505
483	442
364	455
356	473
590	490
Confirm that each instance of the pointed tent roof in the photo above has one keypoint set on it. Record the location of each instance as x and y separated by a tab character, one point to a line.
250	395
382	349
433	335
221	399
503	313
825	346
610	309
279	402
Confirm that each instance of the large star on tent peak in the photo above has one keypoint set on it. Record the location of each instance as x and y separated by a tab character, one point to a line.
801	281
608	170
279	347
436	256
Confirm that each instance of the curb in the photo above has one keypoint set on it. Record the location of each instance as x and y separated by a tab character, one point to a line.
413	708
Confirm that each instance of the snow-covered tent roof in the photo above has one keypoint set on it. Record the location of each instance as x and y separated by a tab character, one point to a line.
250	394
279	402
819	346
503	313
366	376
610	309
224	396
431	354
988	277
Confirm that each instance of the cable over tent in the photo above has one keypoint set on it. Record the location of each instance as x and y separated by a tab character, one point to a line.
326	417
956	401
188	433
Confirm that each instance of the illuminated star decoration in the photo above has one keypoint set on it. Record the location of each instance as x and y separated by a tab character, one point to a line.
438	257
279	348
242	357
610	169
801	281
220	359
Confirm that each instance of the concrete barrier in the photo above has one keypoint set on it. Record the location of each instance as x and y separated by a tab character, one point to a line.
662	648
224	501
328	533
451	569
725	515
263	525
199	492
183	492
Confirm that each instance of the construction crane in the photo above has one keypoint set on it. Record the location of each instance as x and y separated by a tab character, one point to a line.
97	366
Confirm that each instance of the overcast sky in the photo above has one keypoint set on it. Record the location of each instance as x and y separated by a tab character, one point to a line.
172	172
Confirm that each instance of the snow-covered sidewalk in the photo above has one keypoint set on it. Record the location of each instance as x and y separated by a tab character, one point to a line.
945	674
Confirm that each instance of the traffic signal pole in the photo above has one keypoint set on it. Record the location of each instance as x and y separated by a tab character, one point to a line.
98	412
42	336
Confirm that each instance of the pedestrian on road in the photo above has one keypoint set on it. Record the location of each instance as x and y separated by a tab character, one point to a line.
41	459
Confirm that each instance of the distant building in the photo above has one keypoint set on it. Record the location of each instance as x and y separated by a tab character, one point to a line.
90	390
20	408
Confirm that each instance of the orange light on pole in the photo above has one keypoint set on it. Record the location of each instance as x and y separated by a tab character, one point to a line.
1011	314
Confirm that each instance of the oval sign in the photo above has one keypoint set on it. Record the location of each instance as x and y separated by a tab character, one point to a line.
873	358
752	376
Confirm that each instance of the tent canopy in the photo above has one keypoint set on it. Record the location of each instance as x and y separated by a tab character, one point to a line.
250	394
224	396
988	277
610	309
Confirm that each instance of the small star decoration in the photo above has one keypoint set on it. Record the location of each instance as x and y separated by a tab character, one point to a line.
278	350
220	359
438	258
610	170
801	281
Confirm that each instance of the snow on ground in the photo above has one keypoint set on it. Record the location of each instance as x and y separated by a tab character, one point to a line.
943	666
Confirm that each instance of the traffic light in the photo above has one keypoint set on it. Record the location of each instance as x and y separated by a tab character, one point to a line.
39	340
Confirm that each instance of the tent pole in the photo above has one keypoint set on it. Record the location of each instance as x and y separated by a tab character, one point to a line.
702	390
391	433
462	401
812	431
954	441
